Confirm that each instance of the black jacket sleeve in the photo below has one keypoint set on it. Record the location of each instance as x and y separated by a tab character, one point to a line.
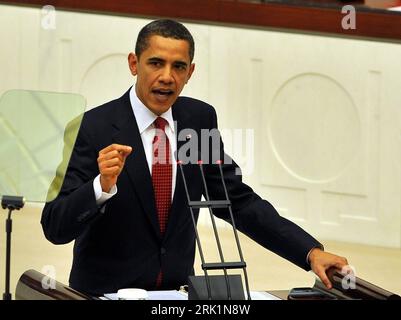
70	213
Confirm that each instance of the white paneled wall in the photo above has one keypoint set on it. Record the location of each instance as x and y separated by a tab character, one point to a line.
324	112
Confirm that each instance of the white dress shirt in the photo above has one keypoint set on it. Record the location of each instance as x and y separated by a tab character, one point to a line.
144	119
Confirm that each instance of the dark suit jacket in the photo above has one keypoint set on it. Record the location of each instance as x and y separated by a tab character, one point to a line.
122	246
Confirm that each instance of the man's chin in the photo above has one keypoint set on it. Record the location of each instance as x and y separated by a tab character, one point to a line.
159	109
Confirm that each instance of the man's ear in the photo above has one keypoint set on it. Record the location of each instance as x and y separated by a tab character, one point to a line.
133	63
191	70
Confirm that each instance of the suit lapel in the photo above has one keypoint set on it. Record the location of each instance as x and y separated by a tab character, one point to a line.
136	165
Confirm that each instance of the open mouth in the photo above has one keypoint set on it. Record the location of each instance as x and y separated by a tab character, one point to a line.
163	92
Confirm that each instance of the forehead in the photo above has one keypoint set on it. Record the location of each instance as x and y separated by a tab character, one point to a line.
167	48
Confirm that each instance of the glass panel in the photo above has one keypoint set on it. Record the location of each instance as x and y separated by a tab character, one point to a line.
37	133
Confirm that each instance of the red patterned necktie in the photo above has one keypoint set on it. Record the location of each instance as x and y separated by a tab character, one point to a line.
162	175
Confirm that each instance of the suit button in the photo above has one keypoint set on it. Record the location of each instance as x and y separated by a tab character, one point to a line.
162	251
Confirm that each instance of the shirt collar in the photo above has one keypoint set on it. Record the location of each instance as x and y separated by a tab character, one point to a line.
144	117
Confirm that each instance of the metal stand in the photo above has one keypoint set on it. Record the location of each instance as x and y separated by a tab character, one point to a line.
11	203
233	284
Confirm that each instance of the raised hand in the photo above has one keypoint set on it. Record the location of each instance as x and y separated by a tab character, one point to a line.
111	162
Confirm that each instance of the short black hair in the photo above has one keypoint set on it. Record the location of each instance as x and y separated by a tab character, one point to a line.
166	28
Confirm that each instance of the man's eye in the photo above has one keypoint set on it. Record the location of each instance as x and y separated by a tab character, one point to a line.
155	63
180	67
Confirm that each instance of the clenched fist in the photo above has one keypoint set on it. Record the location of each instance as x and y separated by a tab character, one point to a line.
111	162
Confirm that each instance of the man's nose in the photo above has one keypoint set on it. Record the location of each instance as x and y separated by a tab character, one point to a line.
166	75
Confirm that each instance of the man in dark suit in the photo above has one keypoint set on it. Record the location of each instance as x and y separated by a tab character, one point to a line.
127	210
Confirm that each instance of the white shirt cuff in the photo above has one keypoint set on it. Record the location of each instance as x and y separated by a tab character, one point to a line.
102	197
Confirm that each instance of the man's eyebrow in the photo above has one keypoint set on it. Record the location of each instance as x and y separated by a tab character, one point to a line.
155	59
180	63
